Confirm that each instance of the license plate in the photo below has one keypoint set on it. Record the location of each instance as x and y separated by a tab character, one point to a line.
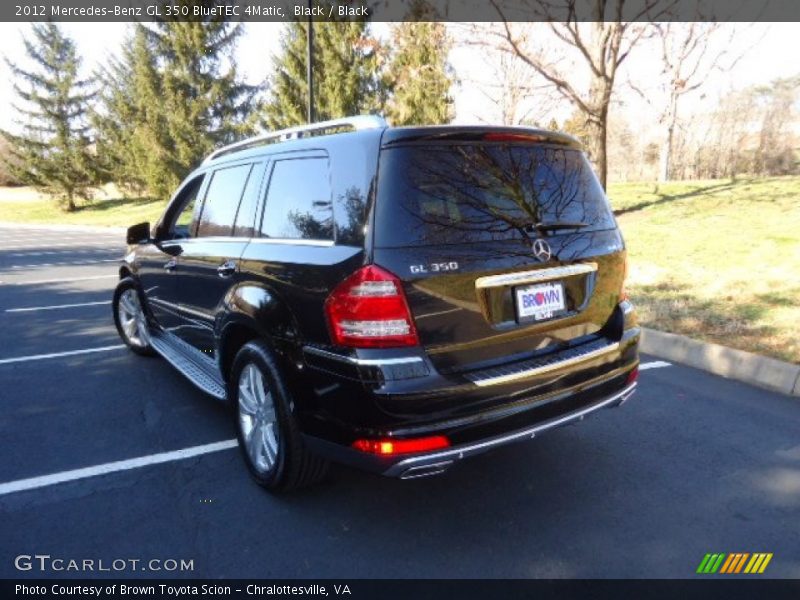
540	301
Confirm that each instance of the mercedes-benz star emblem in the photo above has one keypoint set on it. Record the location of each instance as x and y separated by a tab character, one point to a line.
541	250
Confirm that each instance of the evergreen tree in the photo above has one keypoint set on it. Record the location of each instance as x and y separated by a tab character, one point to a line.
345	62
53	152
133	136
419	76
173	96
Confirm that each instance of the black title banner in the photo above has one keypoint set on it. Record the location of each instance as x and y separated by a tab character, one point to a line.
418	589
401	10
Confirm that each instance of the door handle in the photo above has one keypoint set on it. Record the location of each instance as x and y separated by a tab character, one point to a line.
170	265
226	269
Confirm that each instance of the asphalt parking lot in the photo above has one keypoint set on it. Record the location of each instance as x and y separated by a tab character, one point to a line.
692	464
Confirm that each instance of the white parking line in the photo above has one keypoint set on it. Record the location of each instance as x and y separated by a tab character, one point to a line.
656	364
63	252
60	280
17	359
65	263
108	245
56	306
113	467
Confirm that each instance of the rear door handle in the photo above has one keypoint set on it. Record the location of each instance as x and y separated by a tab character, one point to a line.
227	269
170	265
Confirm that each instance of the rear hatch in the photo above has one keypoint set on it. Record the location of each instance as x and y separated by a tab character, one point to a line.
505	243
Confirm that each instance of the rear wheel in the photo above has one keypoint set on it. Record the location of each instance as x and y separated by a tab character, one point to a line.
269	437
130	318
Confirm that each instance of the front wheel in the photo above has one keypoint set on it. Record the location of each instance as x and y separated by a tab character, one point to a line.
130	318
269	437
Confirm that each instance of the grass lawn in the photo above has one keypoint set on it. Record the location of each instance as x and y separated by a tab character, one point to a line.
25	205
716	260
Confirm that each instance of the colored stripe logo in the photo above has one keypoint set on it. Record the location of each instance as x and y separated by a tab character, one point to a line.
735	562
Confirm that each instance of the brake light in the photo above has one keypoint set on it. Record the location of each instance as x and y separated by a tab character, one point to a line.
369	310
632	376
513	137
389	447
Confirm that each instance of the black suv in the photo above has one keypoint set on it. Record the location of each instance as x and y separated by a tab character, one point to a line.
391	298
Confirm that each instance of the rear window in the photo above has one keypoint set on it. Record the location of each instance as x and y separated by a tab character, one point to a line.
452	194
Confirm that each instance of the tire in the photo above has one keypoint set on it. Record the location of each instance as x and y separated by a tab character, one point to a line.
268	434
130	317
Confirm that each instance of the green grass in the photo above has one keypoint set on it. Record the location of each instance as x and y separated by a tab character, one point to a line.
109	212
716	260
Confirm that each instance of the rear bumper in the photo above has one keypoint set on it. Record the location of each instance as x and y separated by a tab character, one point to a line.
482	436
437	462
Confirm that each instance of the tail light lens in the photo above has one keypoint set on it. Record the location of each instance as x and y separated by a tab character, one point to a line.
389	447
633	375
369	310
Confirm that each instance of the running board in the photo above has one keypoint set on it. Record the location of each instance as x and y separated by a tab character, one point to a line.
201	370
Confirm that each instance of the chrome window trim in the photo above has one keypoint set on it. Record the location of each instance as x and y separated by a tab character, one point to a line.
523	277
500	379
403	360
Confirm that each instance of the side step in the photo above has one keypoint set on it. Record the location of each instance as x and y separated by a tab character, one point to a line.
196	367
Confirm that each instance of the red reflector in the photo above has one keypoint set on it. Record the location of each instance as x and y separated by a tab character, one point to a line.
633	375
369	310
388	447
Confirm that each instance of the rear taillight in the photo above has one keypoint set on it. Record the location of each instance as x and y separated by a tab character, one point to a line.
632	376
369	310
389	447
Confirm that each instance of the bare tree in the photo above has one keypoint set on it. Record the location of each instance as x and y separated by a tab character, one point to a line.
509	86
601	45
689	53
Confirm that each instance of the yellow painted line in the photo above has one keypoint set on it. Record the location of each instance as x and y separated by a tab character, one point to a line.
765	563
749	567
761	556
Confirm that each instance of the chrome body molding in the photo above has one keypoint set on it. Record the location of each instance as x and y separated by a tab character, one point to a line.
539	275
365	362
437	460
547	367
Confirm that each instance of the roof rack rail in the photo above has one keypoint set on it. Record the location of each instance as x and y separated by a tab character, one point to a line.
354	123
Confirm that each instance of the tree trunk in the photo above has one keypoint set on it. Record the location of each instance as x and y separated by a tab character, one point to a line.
665	158
597	125
598	135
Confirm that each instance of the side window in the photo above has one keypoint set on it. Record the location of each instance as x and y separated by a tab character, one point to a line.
298	202
222	201
181	224
245	225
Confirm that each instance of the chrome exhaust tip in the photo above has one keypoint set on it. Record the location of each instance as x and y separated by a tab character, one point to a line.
426	470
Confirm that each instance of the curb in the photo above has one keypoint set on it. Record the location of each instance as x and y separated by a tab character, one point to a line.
53	227
761	371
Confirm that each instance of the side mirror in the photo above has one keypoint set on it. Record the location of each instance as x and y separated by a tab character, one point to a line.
139	233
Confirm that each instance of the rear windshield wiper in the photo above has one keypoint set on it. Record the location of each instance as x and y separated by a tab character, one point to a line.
555	225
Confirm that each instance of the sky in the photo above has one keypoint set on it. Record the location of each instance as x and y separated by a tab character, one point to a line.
768	51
